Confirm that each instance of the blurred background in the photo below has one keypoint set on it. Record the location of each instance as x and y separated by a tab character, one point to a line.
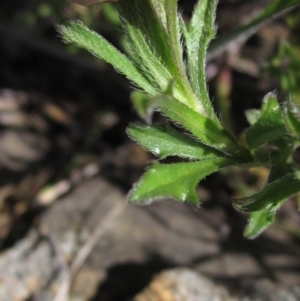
66	164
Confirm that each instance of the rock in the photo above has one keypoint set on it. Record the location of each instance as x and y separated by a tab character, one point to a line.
141	242
26	268
183	284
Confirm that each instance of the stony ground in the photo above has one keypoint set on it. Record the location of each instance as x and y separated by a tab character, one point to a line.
136	243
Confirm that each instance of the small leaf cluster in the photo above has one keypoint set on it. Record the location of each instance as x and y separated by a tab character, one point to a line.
166	62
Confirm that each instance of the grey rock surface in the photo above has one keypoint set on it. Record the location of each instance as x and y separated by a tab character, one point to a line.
181	284
140	243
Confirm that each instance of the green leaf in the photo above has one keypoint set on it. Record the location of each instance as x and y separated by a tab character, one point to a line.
270	125
200	32
174	38
272	195
110	13
258	222
176	181
206	130
75	32
160	10
151	48
276	9
141	103
163	141
252	115
147	18
297	174
292	119
280	157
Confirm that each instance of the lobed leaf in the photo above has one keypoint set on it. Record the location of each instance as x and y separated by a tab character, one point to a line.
163	141
258	222
75	32
176	181
272	195
269	126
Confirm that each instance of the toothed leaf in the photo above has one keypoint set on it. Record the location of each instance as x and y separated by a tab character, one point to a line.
177	181
269	126
272	195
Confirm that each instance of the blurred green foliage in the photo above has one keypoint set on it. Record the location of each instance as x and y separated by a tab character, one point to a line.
286	65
